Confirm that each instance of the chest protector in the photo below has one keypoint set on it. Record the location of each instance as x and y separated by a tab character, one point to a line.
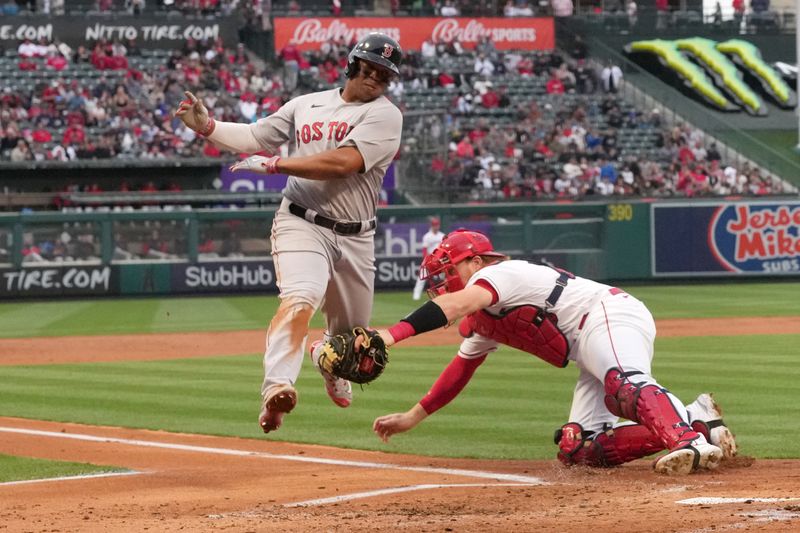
527	328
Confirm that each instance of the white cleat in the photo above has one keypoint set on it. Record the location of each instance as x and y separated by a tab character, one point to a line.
339	390
697	454
706	414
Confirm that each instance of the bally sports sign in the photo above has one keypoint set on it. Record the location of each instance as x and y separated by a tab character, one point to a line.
750	238
506	33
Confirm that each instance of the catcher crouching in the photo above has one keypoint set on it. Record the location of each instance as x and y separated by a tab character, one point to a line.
619	411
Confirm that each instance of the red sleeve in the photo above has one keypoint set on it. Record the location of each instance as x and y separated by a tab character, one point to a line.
450	383
488	286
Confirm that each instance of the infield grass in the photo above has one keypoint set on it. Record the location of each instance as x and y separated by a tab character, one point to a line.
14	468
509	410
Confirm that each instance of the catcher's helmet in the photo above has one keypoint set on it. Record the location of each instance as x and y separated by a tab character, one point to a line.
438	267
376	48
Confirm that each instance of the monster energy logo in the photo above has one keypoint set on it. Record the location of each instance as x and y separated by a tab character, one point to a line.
720	81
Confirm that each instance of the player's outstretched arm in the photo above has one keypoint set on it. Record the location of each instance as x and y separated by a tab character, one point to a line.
387	425
437	313
228	135
448	385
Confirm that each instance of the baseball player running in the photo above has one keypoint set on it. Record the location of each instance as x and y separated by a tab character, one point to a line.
430	240
341	142
559	318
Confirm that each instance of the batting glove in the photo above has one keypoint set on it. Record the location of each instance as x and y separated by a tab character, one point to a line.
258	163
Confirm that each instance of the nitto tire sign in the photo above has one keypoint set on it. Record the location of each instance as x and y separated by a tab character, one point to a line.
224	277
149	32
58	281
11	32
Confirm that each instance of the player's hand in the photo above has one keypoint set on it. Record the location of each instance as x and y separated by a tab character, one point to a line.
388	340
258	163
193	113
387	425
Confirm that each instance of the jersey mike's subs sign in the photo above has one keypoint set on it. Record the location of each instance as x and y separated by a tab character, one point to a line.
747	238
506	33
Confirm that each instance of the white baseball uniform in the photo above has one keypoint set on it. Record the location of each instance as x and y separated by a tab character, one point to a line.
605	327
313	264
430	240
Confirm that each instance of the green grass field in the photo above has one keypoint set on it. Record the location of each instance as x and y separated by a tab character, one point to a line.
509	410
23	468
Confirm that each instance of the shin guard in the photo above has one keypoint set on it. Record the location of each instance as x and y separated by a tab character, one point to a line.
649	405
611	447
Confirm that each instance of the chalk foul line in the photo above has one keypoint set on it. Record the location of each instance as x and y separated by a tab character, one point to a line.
480	474
70	478
722	501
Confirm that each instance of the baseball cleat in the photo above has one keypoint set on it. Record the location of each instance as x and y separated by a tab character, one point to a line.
339	390
693	456
277	405
706	417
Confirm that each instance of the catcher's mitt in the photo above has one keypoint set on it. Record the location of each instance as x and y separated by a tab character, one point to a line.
341	358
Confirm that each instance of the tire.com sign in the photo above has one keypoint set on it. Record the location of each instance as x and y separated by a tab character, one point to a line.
506	33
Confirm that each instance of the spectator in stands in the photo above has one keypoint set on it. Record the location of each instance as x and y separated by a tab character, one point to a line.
291	58
82	55
483	66
632	10
554	84
662	13
74	134
566	76
611	75
449	9
41	134
26	48
56	61
21	152
562	8
738	14
486	47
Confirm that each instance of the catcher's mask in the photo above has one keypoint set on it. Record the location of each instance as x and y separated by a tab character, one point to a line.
439	266
376	48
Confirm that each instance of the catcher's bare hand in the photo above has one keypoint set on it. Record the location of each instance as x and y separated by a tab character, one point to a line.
387	425
193	113
258	163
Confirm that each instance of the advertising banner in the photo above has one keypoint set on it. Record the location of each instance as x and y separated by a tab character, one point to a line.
751	238
224	276
57	281
506	33
259	276
149	32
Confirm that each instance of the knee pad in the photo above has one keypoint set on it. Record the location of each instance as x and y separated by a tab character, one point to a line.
575	446
622	394
627	443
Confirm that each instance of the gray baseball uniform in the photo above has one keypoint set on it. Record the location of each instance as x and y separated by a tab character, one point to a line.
314	264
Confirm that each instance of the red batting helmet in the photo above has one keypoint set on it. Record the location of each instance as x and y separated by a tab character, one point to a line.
438	267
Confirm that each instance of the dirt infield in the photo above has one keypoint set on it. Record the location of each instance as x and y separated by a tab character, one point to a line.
77	349
202	483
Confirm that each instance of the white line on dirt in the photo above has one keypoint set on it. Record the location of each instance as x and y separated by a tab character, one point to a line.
530	480
69	478
396	490
720	501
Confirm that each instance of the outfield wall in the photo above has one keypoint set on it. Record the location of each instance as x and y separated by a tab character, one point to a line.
112	253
